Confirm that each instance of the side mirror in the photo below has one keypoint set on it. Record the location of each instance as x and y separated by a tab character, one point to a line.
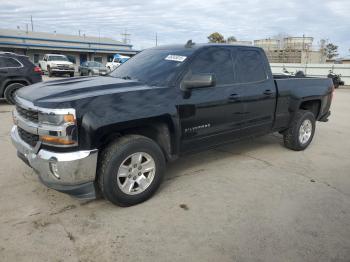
199	81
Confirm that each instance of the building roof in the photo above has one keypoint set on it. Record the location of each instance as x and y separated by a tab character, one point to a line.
59	37
50	41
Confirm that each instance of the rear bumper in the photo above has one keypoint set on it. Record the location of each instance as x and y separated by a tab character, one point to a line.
324	118
72	172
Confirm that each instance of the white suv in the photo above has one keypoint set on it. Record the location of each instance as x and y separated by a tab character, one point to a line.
56	64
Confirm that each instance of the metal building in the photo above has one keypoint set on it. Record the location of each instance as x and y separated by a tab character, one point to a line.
290	50
268	44
78	49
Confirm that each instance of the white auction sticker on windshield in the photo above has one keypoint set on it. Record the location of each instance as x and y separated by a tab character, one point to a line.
177	58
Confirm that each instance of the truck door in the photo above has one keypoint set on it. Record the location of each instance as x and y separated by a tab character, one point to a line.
43	63
211	115
253	75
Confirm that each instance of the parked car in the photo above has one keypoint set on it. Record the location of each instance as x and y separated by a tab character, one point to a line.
114	135
117	61
91	68
56	64
336	78
16	71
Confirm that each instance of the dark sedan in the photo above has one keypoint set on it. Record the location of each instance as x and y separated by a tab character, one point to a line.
91	68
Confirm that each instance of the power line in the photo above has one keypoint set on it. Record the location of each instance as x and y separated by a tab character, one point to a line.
126	38
31	21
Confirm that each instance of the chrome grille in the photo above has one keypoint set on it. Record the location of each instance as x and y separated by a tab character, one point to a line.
28	114
63	66
29	138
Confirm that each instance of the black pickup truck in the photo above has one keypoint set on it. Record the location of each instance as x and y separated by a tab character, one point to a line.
113	135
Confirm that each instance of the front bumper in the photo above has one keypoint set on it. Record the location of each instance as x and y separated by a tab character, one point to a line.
71	172
324	118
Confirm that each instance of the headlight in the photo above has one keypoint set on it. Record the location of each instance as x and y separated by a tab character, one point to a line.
71	66
96	71
53	65
54	119
58	128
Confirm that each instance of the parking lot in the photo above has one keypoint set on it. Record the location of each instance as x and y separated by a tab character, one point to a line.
250	201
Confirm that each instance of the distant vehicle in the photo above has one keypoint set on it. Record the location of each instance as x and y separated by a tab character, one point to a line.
91	68
117	61
298	73
336	78
16	71
112	136
56	64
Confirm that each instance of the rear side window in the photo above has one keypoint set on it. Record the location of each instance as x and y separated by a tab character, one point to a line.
249	67
215	61
9	62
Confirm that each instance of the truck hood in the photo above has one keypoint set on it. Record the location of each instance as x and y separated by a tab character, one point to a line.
71	89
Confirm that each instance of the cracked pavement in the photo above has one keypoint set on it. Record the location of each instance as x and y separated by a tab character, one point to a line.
250	201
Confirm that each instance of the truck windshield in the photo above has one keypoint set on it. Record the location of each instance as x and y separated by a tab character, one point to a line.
155	67
57	58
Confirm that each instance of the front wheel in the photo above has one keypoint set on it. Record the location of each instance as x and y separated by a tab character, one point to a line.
130	170
50	73
10	92
301	131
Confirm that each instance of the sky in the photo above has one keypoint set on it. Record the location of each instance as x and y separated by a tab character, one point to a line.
178	21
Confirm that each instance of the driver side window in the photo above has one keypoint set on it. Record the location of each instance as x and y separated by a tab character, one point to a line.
217	61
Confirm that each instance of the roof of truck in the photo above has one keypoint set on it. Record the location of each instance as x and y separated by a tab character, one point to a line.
201	45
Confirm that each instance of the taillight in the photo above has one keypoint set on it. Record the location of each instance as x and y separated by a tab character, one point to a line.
38	69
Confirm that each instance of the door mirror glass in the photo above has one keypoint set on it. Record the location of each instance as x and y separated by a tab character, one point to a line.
199	81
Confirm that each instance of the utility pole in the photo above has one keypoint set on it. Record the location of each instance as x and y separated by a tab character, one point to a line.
125	36
156	39
31	21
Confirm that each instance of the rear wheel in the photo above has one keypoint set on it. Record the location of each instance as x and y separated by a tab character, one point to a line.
301	131
10	92
130	170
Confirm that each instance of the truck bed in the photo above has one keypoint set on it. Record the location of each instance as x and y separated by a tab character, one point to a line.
291	89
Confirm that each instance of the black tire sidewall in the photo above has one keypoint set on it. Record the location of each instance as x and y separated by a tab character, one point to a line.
111	188
10	91
49	72
310	116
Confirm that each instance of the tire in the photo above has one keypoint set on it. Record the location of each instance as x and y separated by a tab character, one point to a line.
116	175
10	91
71	74
295	137
49	72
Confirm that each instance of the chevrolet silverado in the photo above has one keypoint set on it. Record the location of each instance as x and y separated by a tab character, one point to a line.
113	135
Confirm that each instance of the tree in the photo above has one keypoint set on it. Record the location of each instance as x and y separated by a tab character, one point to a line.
216	38
231	39
331	50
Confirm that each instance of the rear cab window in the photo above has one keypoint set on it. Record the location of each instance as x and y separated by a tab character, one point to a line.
249	66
